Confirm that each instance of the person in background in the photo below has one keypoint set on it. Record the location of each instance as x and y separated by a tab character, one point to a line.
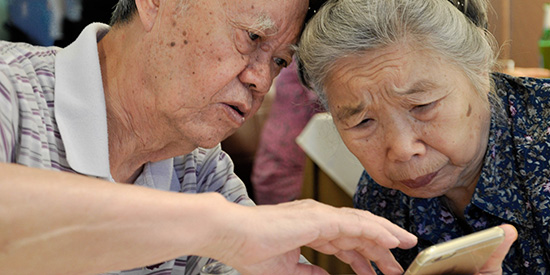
278	170
110	158
449	147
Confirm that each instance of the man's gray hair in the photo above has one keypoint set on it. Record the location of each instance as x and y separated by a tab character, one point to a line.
344	28
124	11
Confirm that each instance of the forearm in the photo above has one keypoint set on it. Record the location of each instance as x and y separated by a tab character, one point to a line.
65	223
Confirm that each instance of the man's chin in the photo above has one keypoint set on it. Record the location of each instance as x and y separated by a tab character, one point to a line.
213	141
209	144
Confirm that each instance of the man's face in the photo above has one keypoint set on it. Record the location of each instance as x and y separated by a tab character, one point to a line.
210	63
412	119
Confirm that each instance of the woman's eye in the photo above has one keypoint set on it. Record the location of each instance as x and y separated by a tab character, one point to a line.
281	62
364	122
253	36
424	107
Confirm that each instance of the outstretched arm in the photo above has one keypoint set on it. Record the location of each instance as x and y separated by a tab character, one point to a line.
56	222
64	223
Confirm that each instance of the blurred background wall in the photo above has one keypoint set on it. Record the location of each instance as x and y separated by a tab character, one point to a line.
517	25
50	22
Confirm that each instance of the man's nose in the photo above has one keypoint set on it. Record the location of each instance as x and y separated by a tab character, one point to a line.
402	140
258	74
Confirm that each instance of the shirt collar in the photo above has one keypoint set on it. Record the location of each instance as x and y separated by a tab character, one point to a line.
80	104
159	175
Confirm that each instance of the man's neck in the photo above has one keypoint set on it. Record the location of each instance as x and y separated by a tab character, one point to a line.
137	132
125	164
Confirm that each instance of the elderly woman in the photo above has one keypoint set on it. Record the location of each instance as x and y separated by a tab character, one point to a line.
145	104
448	146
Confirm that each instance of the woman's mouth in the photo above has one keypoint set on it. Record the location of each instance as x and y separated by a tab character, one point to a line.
420	181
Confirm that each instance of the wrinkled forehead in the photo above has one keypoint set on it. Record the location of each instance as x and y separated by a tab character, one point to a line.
348	72
276	17
387	63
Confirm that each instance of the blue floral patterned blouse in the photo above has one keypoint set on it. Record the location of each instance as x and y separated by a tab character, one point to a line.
514	186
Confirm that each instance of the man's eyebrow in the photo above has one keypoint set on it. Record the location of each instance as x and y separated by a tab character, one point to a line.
264	23
345	112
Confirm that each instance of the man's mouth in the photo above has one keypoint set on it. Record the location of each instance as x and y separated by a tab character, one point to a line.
237	110
236	113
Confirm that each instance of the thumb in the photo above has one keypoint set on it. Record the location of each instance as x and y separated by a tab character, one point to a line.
494	264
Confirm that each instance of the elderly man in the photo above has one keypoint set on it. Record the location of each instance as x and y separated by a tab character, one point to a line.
138	103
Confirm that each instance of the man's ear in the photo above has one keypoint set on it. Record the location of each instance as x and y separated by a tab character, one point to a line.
148	10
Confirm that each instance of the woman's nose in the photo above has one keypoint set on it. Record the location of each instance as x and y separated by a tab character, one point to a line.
402	140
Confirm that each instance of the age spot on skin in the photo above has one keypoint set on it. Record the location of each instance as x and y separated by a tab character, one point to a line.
185	42
172	44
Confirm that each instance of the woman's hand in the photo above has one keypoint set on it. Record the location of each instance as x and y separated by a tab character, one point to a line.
493	266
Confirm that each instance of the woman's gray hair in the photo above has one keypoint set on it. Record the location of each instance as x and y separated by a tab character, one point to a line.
344	28
124	11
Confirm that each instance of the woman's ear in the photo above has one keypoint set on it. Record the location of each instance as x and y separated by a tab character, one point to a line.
148	10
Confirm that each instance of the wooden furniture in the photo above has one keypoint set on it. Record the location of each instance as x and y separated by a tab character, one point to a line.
330	176
320	187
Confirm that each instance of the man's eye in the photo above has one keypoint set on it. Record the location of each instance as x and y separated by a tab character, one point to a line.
253	36
281	62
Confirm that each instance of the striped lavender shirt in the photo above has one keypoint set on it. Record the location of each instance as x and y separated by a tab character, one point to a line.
30	136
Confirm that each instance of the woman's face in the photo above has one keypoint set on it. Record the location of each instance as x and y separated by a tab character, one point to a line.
414	121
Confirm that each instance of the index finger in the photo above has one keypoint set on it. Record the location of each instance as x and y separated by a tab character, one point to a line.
382	231
406	239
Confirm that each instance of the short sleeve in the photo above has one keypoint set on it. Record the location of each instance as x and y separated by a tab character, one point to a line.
8	119
212	170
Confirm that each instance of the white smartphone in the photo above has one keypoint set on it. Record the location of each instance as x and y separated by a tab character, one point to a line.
464	255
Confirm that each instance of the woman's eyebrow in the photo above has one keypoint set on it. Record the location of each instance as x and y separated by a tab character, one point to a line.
418	87
345	112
